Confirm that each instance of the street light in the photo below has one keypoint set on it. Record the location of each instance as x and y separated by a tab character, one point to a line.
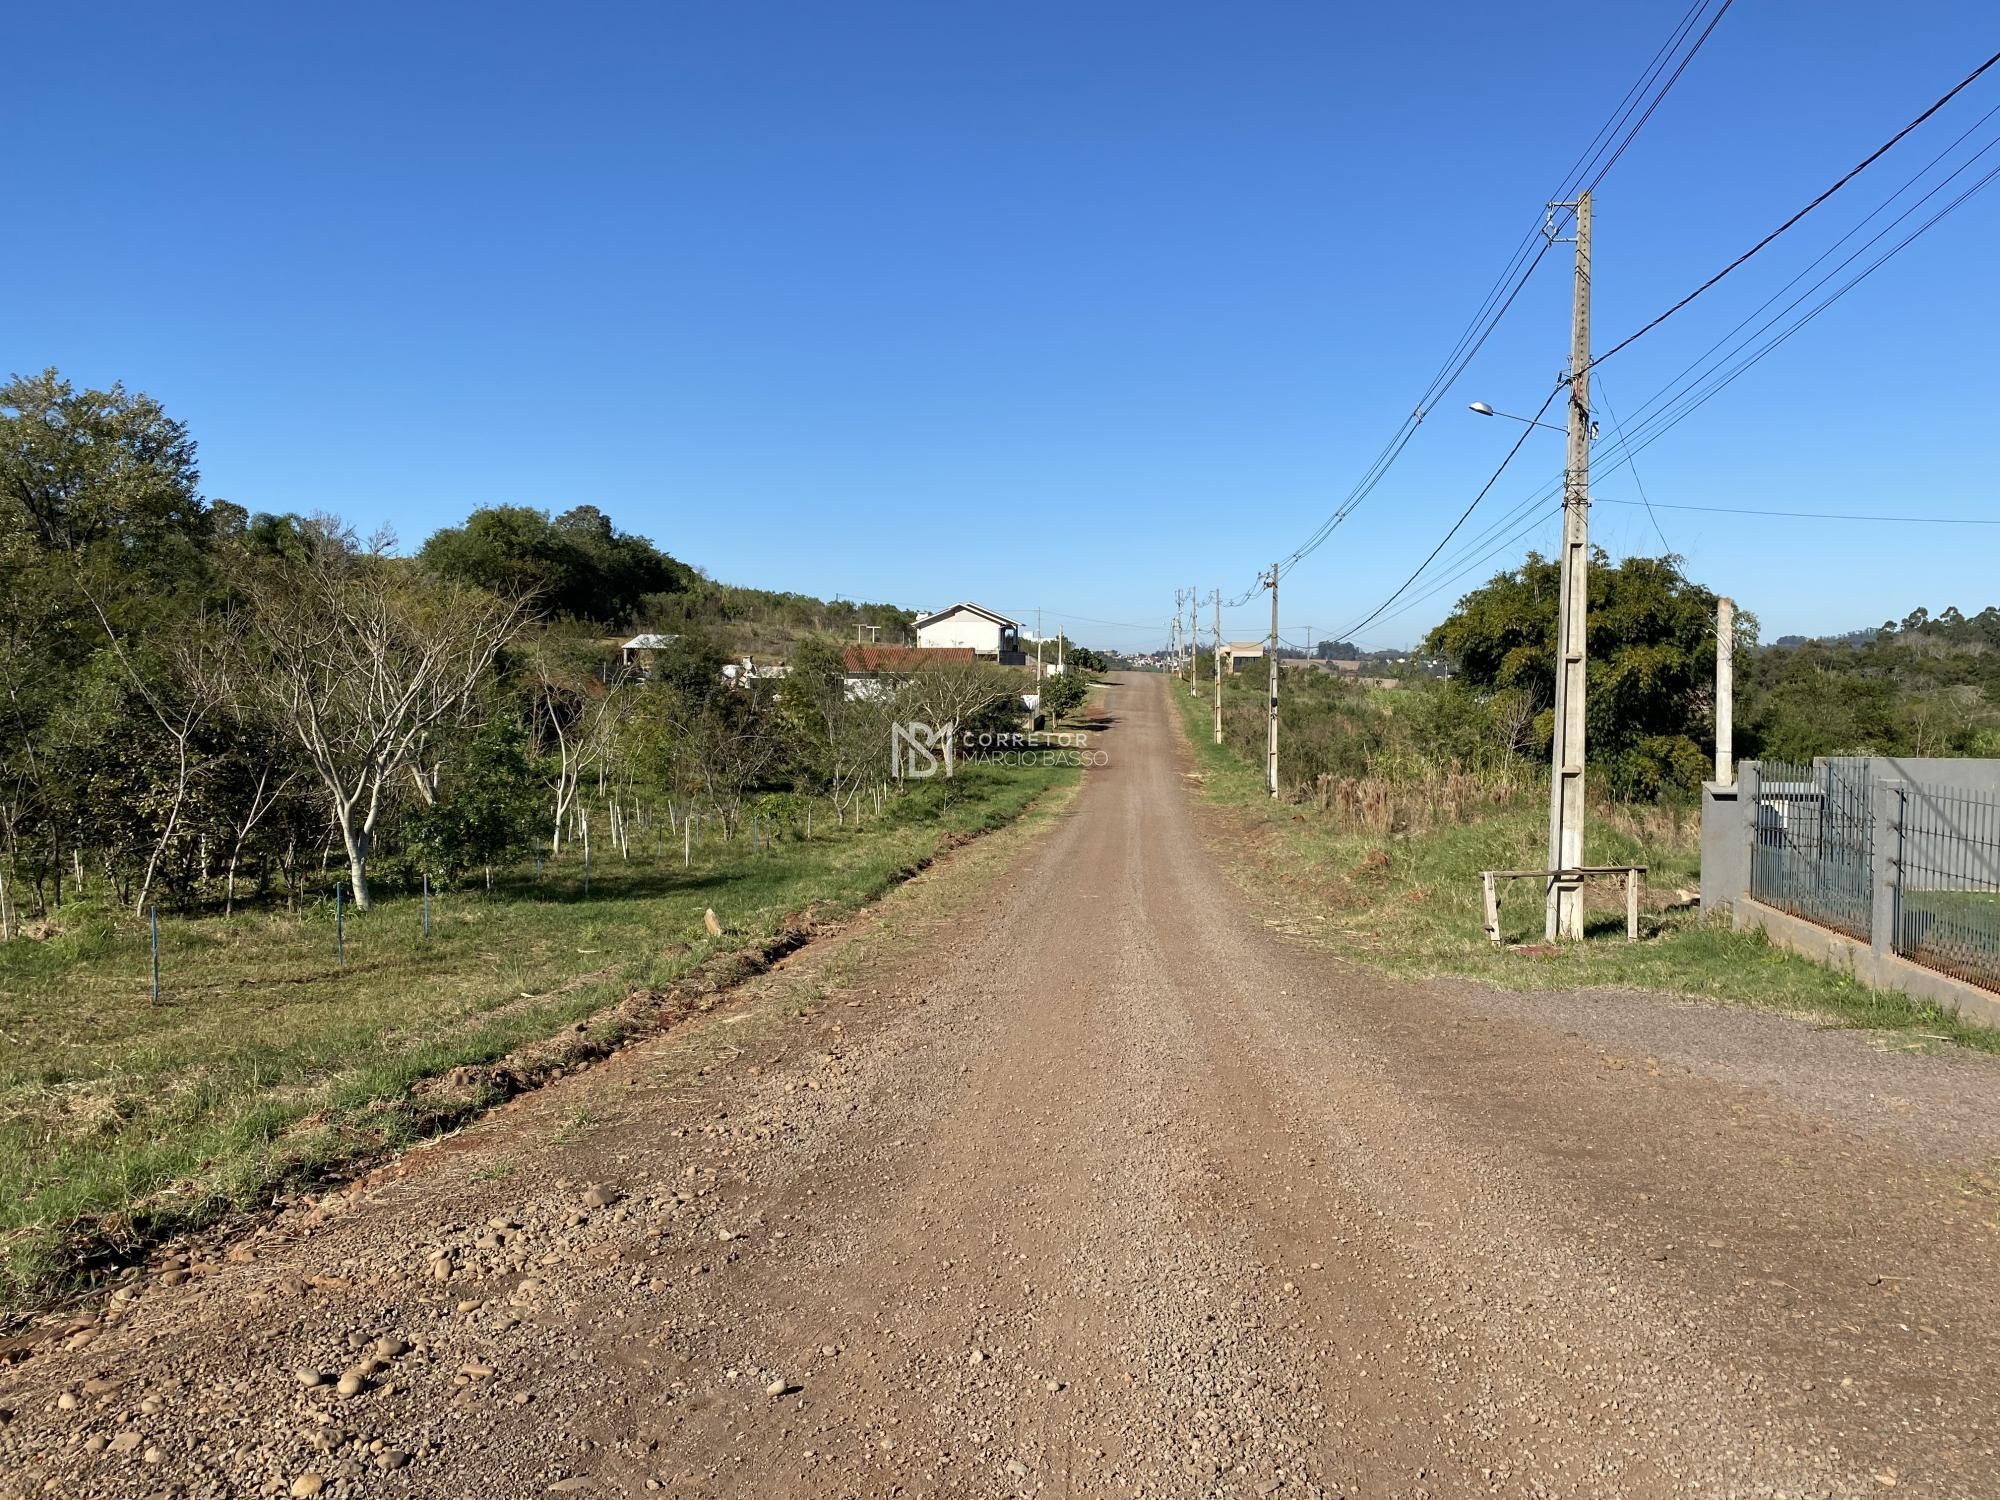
1486	411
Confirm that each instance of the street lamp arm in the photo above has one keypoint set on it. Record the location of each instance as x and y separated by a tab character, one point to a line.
1486	411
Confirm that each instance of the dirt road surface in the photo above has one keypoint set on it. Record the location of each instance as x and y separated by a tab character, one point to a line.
1061	1174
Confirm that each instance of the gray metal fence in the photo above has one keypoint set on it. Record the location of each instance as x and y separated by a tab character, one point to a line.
1814	849
1947	863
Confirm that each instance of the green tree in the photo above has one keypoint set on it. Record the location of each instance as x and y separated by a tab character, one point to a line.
1063	693
1651	640
489	802
576	565
102	561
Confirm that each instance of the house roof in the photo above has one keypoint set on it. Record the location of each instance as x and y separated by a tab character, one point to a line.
863	659
1246	648
650	642
977	609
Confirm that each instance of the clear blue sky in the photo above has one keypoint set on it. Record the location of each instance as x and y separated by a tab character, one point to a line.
1056	304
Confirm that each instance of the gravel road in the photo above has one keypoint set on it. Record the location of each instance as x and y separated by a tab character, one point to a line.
1060	1174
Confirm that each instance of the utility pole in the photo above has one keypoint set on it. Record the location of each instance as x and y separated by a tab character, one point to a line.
1271	741
1566	755
1038	665
1217	596
1194	641
1725	690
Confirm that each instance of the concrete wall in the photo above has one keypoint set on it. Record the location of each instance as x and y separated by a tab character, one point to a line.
1725	848
1877	970
1950	773
1728	838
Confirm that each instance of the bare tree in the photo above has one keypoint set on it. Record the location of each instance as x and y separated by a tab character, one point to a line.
194	688
362	661
950	695
574	719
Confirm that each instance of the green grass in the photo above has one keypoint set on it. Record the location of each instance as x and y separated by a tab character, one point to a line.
1411	904
265	1065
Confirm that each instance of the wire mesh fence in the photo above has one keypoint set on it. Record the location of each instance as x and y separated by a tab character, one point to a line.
1948	882
1814	850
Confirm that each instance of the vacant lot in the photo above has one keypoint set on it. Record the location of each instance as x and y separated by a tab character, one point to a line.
267	1062
1407	898
1062	1175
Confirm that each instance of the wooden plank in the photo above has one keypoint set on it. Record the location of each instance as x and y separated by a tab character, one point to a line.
1492	907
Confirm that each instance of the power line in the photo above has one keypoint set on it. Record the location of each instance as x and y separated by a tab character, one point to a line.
1640	434
1527	430
1691	399
1820	515
1663	423
1514	277
1853	172
1630	135
1546	514
1618	429
1678	406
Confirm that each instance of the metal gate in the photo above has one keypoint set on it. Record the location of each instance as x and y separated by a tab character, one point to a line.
1814	853
1948	882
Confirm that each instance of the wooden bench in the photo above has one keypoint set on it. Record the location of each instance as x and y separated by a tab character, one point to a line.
1635	882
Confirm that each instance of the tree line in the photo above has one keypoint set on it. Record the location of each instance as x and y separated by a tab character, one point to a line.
201	704
1922	685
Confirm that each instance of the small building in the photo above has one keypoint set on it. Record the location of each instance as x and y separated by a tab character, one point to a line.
637	654
1236	653
972	627
746	670
870	670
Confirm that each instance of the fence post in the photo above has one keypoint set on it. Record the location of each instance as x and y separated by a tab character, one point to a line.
1749	799
427	903
340	926
154	913
1886	878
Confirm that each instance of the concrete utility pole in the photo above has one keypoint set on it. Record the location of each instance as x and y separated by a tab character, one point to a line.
1195	641
1565	895
1725	690
1217	596
1038	663
1271	741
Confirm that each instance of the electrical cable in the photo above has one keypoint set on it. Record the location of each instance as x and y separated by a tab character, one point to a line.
1527	430
1820	515
1618	431
1491	312
1853	172
1681	405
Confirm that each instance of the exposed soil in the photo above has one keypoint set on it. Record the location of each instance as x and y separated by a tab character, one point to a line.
1064	1175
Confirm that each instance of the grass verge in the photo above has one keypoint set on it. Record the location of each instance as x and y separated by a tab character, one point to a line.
1411	904
269	1065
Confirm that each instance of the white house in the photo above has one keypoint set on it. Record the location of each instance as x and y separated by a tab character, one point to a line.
968	626
1238	652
